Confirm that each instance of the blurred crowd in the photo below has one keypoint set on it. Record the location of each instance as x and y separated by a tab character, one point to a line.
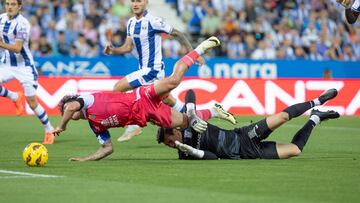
257	29
273	29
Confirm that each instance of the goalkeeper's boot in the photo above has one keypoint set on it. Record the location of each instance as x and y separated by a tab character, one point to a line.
222	114
325	115
209	43
19	104
329	94
130	132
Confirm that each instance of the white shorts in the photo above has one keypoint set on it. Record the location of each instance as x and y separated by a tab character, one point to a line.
144	76
26	75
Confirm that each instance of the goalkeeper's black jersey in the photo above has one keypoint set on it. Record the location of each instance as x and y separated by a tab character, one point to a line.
220	143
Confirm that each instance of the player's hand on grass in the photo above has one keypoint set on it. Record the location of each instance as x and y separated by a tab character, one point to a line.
183	147
77	159
196	123
345	3
58	130
108	49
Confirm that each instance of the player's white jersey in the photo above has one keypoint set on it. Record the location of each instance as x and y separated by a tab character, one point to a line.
17	28
146	36
356	6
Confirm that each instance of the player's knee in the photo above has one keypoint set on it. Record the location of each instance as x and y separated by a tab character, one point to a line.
295	151
173	82
32	102
283	116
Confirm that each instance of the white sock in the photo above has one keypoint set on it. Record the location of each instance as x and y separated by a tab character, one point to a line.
9	94
190	106
315	119
179	106
199	50
41	114
213	113
316	102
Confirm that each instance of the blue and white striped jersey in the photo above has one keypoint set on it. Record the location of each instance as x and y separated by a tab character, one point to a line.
146	36
356	6
17	28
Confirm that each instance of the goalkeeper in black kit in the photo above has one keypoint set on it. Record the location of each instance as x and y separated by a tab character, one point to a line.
207	141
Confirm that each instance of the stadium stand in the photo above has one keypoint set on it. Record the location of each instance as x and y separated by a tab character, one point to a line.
267	29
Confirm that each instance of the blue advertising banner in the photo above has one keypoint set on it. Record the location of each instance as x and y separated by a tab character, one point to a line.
214	68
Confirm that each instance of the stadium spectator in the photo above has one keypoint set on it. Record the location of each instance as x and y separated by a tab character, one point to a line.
82	46
62	46
45	47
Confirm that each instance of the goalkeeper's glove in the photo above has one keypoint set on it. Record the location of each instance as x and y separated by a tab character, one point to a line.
195	122
345	3
189	150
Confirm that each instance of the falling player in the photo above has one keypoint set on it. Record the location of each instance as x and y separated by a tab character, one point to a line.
247	142
144	104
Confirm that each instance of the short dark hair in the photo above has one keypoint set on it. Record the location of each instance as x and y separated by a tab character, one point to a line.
66	99
160	135
19	2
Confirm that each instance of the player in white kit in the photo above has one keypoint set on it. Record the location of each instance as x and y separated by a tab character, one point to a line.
352	10
144	34
17	63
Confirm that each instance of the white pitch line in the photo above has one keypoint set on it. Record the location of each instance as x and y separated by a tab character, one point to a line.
24	174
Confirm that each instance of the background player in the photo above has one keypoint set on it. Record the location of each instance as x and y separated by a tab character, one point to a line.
246	142
144	33
118	109
352	9
17	63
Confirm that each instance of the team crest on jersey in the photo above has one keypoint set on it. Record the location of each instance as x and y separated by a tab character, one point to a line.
92	116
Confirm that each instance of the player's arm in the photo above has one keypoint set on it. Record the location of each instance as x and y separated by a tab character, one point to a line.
196	153
125	48
13	47
69	111
185	42
105	150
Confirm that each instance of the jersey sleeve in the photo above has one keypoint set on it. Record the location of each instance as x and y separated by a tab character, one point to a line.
128	28
356	6
101	136
22	31
160	25
88	100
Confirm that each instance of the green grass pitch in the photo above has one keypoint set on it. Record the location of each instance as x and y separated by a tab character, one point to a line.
143	171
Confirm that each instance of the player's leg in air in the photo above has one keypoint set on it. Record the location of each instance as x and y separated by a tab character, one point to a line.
26	79
163	87
265	127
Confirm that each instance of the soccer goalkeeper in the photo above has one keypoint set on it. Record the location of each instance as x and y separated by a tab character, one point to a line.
246	142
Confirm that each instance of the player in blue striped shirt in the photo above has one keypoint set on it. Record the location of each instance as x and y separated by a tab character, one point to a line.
144	34
17	63
352	9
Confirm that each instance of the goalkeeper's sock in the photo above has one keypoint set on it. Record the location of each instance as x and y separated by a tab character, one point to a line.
302	136
298	109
